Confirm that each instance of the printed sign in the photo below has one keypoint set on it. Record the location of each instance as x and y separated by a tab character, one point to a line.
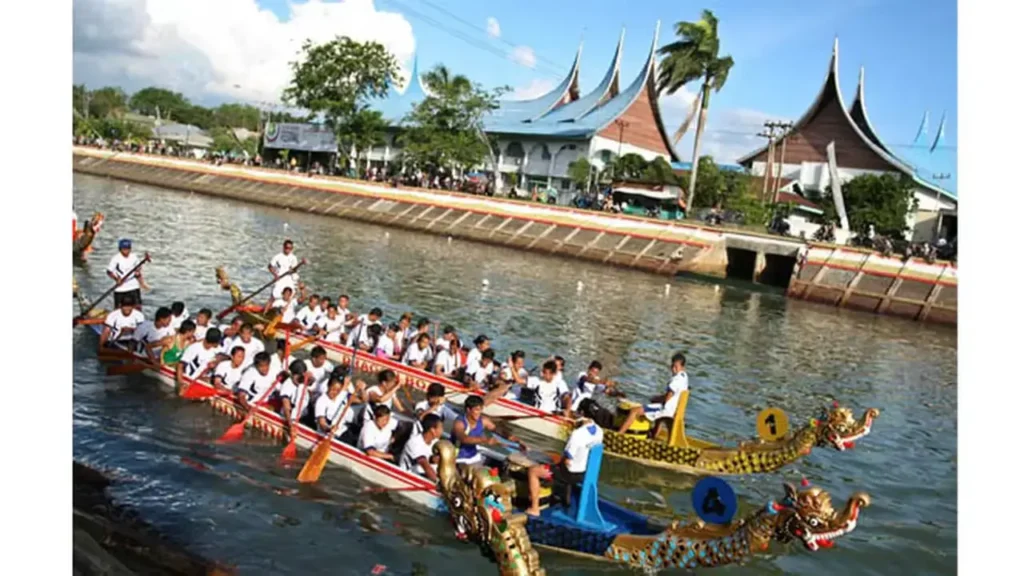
304	137
772	424
714	500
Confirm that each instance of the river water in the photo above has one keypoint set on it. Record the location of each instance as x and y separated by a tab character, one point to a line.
747	349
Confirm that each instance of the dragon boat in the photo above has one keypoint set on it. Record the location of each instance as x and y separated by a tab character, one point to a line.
81	245
835	427
485	504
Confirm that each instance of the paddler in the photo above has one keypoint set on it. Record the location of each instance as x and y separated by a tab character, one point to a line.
154	334
286	304
319	370
245	339
257	382
402	333
418	455
346	315
550	394
384	393
447	363
386	343
663	406
331	326
120	265
200	357
278	361
203	322
186	335
468	433
481	376
294	395
569	472
121	323
434	405
378	433
589	383
419	353
362	334
481	344
179	313
228	373
281	264
308	315
341	392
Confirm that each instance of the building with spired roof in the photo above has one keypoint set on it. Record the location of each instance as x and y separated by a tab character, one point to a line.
858	150
537	139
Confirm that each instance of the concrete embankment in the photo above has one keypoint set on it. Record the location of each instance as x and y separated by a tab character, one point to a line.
666	248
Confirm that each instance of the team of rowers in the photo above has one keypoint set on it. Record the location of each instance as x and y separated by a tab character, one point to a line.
327	398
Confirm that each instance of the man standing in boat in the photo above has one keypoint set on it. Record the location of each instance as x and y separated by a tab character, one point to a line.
663	407
282	263
120	265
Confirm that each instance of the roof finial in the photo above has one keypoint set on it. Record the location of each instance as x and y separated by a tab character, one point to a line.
922	130
835	46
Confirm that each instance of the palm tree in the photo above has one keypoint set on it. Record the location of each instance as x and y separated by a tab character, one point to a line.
441	80
694	56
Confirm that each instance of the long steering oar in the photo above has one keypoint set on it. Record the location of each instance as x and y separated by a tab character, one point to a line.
237	431
226	311
314	466
85	312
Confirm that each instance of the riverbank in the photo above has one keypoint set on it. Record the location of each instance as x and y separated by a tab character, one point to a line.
659	247
110	539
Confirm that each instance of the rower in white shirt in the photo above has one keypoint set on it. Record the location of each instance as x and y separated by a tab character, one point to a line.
589	383
384	393
152	335
228	373
119	324
448	334
179	313
203	322
278	362
285	304
252	345
419	352
120	265
378	433
319	369
346	314
294	395
331	326
362	332
482	343
434	404
662	408
386	343
551	395
404	328
308	315
280	265
447	363
199	358
418	455
485	369
339	402
257	383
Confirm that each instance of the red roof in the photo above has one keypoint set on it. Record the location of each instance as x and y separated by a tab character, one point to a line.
787	197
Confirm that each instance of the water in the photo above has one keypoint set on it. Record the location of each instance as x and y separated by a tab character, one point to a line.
746	349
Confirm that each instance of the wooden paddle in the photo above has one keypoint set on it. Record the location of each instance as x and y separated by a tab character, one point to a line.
78	319
314	466
290	450
237	431
228	310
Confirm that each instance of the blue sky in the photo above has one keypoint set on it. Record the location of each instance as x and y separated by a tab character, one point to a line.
781	49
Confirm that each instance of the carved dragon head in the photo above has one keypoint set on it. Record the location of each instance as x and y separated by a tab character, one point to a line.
457	493
837	427
807	515
95	223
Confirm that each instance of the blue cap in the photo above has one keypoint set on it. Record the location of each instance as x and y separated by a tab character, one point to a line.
124	243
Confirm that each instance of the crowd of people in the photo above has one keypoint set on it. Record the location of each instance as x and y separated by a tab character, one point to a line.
327	398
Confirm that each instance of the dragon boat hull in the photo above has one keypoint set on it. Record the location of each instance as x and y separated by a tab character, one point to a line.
378	472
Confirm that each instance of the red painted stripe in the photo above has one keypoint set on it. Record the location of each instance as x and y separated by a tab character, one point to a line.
904	276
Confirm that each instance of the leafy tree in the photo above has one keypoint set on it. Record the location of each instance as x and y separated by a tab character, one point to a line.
883	200
711	185
630	166
114	128
237	116
147	100
694	56
445	129
659	171
336	78
364	130
579	172
107	100
79	97
195	115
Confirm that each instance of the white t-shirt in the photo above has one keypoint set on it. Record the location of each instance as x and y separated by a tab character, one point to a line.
119	266
386	346
376	389
583	390
177	320
117	322
363	332
229	375
196	357
577	448
299	396
448	362
282	264
252	348
415	449
377	438
321	376
548	393
416	354
276	367
677	385
287	308
307	317
334	328
201	331
481	373
148	333
256	385
331	409
473	360
443	410
506	373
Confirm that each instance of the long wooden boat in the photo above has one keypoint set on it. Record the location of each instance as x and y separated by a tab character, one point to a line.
835	428
486	508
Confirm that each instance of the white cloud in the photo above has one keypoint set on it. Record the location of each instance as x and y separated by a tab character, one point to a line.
536	87
493	29
730	133
229	48
524	56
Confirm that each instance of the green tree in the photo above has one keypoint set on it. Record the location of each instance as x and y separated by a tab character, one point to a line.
148	100
79	99
659	171
106	101
446	129
195	115
882	200
711	185
579	172
694	56
364	130
336	78
237	116
630	166
116	128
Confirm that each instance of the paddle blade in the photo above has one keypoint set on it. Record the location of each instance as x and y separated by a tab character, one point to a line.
232	434
317	460
198	392
129	368
289	452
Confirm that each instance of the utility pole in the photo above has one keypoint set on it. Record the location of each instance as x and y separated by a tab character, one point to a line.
938	201
622	124
768	161
784	128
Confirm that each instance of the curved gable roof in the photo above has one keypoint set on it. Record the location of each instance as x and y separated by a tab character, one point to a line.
397	104
529	110
609	84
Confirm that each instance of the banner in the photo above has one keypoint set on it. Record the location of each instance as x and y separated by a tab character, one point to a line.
304	137
837	186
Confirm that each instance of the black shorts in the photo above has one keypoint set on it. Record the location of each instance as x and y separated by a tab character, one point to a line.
564	481
119	295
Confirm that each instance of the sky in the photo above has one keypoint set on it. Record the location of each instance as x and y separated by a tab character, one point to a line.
238	50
